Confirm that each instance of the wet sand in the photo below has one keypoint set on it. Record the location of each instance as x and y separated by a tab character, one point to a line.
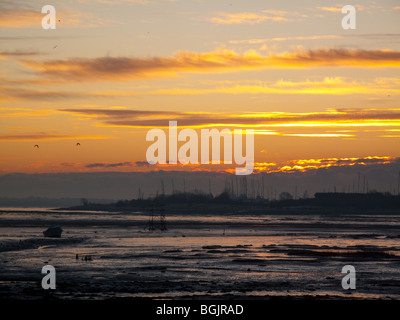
199	257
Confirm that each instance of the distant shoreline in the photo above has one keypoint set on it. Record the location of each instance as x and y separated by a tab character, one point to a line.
200	203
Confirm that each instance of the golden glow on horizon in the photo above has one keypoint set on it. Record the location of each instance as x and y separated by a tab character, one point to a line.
370	123
319	135
303	165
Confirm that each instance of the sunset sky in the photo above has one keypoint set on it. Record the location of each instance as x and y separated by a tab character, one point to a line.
315	94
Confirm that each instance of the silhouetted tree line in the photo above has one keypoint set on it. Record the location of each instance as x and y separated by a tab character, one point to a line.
369	200
178	198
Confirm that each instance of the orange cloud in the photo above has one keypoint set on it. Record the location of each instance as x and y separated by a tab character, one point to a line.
20	18
302	165
23	112
279	39
244	18
382	87
46	136
339	9
255	18
26	18
336	86
123	68
330	9
12	93
123	113
319	135
257	120
18	53
296	165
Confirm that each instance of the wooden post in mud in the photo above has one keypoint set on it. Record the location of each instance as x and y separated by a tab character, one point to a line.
151	224
163	222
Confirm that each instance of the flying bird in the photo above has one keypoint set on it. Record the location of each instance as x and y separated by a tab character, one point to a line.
36	146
